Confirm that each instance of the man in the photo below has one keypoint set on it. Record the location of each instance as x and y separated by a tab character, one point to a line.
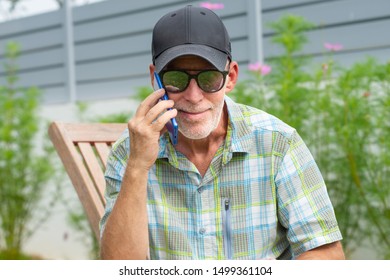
239	184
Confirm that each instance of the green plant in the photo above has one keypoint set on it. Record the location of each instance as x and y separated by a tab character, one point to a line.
23	170
353	153
79	222
343	114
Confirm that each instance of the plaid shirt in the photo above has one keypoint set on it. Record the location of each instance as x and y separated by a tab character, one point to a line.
263	196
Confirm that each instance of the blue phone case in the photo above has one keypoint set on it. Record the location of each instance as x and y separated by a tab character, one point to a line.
172	126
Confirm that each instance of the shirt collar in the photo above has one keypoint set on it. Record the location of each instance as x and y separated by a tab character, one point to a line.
238	139
241	128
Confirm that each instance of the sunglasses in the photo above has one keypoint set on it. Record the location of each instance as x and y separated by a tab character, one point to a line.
176	81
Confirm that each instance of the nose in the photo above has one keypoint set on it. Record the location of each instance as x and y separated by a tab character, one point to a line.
193	93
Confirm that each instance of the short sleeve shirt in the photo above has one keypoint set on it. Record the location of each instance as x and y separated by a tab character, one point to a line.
263	196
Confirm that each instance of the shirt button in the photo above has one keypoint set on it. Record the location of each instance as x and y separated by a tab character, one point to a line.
202	231
200	190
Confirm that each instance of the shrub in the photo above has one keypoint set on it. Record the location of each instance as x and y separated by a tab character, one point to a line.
343	114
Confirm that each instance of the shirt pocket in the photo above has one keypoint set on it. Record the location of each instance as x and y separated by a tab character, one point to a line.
227	228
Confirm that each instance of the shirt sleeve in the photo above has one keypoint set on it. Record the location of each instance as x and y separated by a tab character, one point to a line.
116	165
304	207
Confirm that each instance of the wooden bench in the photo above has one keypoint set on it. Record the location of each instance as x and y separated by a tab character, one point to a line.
83	149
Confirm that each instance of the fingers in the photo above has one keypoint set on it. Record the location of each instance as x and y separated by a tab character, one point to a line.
159	124
148	103
146	126
157	110
153	113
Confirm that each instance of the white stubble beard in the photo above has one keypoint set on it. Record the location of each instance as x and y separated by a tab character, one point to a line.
209	126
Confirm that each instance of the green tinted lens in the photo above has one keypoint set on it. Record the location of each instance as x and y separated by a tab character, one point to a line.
210	81
175	81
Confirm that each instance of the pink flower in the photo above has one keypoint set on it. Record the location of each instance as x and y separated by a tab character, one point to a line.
333	47
263	69
212	6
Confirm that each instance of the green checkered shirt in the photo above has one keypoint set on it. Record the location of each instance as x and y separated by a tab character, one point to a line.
263	196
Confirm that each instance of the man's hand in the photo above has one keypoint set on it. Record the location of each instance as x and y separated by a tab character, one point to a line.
126	233
146	127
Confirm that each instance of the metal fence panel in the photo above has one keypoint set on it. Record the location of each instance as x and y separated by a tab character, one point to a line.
111	40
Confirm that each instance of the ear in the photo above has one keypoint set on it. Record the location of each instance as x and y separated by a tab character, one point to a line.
232	76
151	72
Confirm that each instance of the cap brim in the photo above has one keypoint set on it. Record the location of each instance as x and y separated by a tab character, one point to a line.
214	56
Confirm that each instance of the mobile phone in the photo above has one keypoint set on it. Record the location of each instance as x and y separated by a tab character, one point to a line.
172	126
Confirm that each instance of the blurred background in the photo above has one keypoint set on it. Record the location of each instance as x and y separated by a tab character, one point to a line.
322	66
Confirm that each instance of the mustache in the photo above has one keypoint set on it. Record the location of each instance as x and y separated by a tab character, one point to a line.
190	108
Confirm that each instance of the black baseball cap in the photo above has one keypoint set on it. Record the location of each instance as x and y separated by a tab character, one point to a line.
190	31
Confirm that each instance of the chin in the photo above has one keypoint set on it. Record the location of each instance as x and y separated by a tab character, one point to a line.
195	134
